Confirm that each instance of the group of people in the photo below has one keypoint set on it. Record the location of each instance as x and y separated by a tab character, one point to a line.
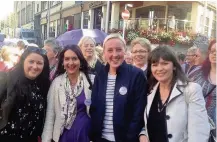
71	94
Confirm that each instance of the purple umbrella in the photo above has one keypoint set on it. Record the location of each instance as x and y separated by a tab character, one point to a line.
73	36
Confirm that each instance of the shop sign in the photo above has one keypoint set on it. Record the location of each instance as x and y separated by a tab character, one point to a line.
96	4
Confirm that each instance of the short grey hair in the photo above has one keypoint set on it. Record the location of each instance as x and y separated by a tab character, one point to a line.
192	49
115	36
54	44
143	42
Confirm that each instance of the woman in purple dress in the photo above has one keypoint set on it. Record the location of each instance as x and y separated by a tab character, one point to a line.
67	117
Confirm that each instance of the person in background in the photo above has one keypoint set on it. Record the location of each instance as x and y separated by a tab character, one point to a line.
140	48
206	77
67	117
189	67
53	49
128	57
21	46
181	58
99	53
87	45
118	96
10	56
23	93
201	55
175	110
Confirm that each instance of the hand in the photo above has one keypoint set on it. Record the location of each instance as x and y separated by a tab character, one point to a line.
143	138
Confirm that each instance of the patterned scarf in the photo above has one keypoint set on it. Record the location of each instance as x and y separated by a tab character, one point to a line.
69	109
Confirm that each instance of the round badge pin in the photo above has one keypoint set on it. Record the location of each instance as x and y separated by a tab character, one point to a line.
87	102
123	90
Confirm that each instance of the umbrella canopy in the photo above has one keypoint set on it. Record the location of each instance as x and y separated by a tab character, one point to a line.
73	36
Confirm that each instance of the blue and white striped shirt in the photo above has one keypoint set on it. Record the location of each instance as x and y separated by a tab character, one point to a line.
108	131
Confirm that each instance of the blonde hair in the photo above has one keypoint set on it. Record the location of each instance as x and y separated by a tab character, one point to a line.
91	63
114	36
6	51
143	42
84	39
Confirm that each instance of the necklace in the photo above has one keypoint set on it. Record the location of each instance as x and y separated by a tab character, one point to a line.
161	107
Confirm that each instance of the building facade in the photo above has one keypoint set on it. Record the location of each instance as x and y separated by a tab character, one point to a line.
62	16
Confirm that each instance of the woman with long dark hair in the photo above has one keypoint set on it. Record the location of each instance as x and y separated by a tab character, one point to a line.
176	109
206	77
23	93
69	99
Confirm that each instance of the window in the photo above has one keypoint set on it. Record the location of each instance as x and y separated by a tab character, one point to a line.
78	2
77	21
44	5
213	34
52	3
85	19
58	27
37	7
207	21
28	13
23	17
18	19
28	34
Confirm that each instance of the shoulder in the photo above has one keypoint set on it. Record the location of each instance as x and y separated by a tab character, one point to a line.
3	78
134	70
58	79
193	86
193	89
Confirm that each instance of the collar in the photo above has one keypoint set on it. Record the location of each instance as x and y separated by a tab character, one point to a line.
119	69
144	67
177	90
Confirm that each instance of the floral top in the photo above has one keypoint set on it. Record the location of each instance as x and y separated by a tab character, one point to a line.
26	118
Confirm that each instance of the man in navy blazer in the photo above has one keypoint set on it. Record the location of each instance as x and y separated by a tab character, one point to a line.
119	97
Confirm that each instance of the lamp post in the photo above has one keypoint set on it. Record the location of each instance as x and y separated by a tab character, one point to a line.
48	19
107	17
82	15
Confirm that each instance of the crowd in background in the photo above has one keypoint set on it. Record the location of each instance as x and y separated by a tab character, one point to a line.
107	93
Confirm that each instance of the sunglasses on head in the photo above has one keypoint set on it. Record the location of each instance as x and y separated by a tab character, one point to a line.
37	49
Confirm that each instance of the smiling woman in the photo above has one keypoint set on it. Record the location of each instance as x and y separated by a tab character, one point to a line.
23	104
67	118
170	91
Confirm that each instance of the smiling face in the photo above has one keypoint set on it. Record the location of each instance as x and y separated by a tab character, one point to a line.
212	54
33	65
140	55
50	52
87	48
71	62
190	57
162	70
114	52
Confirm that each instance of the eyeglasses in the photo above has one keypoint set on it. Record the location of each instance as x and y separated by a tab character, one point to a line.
212	52
139	51
37	49
190	55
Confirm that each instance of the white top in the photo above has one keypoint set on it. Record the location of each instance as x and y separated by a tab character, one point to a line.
108	131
